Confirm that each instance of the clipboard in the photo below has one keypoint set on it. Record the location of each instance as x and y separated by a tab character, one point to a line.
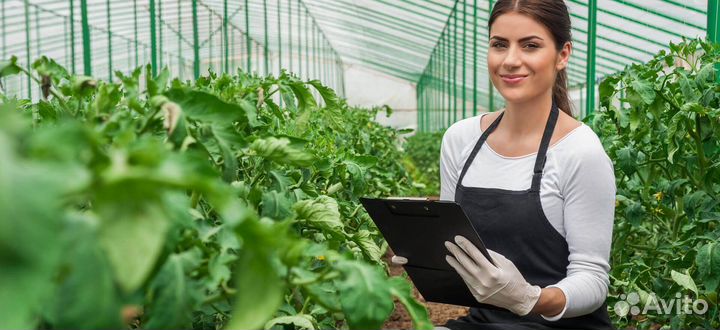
417	229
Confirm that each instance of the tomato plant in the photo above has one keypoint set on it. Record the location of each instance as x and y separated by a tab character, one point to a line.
422	158
155	203
661	128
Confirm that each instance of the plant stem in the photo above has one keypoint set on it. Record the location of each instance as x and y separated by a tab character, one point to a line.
35	79
700	150
305	305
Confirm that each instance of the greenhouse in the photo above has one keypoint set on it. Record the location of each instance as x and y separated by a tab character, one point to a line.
200	164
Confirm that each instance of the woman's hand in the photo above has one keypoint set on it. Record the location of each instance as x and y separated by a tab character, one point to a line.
502	285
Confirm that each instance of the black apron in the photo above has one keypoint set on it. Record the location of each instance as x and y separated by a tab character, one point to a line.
513	224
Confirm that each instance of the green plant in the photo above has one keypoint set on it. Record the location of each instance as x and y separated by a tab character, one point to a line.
202	205
661	127
422	152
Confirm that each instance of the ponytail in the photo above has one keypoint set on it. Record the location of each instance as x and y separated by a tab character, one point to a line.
560	93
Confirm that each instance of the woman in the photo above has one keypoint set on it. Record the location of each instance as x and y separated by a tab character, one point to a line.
536	183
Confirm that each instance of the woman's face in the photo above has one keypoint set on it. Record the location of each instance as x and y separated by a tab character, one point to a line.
522	59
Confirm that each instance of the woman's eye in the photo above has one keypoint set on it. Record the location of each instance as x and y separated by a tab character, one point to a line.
498	45
531	46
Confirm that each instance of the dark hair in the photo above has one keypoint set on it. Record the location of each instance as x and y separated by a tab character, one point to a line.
554	15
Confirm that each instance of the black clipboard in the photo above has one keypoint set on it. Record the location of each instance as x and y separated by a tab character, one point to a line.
417	229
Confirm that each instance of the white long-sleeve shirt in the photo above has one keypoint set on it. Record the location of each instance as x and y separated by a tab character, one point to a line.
577	193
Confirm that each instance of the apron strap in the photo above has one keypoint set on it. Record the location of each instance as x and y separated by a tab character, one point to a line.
479	144
539	159
544	144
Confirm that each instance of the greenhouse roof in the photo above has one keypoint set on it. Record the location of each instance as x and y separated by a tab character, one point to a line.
396	37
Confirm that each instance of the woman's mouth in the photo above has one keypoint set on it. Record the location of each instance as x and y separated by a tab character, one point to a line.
513	79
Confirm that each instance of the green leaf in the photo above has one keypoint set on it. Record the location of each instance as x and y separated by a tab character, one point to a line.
321	212
708	263
357	173
218	267
32	195
156	85
175	294
276	205
685	281
627	159
607	90
280	181
209	108
107	98
403	291
645	90
288	98
324	294
368	245
279	150
9	68
328	95
257	280
303	95
226	138
300	321
49	68
87	287
365	295
132	233
688	90
706	74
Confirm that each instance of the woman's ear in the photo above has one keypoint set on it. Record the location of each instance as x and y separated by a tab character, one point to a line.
564	56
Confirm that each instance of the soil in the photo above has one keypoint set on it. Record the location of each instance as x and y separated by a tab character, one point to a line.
439	313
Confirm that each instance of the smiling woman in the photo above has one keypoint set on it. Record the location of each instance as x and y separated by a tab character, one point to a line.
535	182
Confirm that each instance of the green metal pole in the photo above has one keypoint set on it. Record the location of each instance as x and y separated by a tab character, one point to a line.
475	64
27	46
153	40
247	41
109	36
713	29
444	82
267	42
210	41
87	61
226	63
196	41
582	104
464	69
232	50
454	73
135	20
160	34
592	37
72	34
491	89
290	39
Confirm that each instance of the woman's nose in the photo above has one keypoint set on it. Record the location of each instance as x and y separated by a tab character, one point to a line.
512	59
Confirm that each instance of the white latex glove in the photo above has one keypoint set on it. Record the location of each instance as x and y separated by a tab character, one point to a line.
500	285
